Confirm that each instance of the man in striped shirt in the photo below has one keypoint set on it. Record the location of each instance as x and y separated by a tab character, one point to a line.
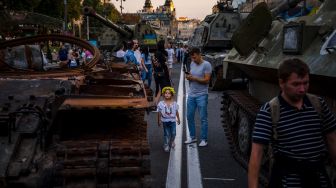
298	148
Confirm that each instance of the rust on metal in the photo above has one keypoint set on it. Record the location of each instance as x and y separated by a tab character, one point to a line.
85	126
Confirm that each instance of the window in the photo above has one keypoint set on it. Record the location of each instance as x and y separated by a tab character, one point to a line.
292	38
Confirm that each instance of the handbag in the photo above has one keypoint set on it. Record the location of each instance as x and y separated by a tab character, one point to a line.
159	74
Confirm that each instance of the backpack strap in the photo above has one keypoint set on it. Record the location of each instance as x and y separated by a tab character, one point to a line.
275	110
275	114
315	101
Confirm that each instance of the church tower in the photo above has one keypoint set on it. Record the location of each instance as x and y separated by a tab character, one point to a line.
169	5
148	7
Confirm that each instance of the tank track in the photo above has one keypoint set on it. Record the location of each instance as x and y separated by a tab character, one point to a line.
106	162
83	150
239	114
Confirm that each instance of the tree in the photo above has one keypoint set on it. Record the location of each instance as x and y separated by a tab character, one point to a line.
28	5
74	9
53	8
114	14
91	3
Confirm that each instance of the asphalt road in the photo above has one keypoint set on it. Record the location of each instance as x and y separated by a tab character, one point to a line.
217	166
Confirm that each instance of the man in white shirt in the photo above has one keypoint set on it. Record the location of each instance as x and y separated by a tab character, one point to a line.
121	52
137	52
170	58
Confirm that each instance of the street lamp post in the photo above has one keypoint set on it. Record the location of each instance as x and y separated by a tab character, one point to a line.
121	6
65	15
104	8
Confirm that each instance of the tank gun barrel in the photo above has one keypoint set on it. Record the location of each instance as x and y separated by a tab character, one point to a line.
283	6
89	11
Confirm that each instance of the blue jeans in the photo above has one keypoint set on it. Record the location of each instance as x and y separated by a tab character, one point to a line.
201	103
169	132
147	75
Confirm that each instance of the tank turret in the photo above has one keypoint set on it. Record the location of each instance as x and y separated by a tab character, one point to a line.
260	44
213	37
141	31
257	25
125	32
216	30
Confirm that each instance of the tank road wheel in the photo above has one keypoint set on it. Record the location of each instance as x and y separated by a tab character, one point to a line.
212	80
244	134
232	113
229	118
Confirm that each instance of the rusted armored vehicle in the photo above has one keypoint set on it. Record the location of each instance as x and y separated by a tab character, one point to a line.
70	127
22	23
260	44
141	31
213	37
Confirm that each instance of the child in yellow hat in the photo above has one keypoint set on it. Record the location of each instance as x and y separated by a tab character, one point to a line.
168	116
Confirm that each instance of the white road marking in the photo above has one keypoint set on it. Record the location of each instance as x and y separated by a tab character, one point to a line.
193	165
175	158
220	179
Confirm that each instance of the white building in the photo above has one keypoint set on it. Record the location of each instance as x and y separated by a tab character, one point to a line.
186	27
163	17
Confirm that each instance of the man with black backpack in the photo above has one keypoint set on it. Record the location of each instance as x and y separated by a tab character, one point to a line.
296	124
63	56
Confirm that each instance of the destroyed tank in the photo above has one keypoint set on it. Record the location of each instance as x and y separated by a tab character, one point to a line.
141	31
213	37
261	43
70	127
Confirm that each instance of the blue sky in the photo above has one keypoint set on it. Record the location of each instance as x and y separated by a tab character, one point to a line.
190	8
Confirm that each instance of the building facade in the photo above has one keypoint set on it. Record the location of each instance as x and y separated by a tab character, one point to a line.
163	18
186	27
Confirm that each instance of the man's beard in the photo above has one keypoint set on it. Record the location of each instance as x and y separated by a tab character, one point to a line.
296	97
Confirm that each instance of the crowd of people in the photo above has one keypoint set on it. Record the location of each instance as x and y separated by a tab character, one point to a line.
157	65
300	126
71	57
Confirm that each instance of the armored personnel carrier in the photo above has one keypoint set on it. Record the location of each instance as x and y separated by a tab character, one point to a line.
70	127
261	43
213	37
141	31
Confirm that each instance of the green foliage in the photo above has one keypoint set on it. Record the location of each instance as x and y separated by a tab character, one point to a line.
53	8
28	5
74	9
114	14
91	3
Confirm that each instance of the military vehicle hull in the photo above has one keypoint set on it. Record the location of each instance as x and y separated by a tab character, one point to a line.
143	32
81	127
213	37
257	58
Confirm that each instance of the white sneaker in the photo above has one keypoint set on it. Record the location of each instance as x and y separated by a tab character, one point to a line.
189	141
203	143
166	148
172	145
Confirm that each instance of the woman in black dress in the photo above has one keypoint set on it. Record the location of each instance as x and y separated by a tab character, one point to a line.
161	74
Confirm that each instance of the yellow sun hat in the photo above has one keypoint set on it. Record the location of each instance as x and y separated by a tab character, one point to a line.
170	89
